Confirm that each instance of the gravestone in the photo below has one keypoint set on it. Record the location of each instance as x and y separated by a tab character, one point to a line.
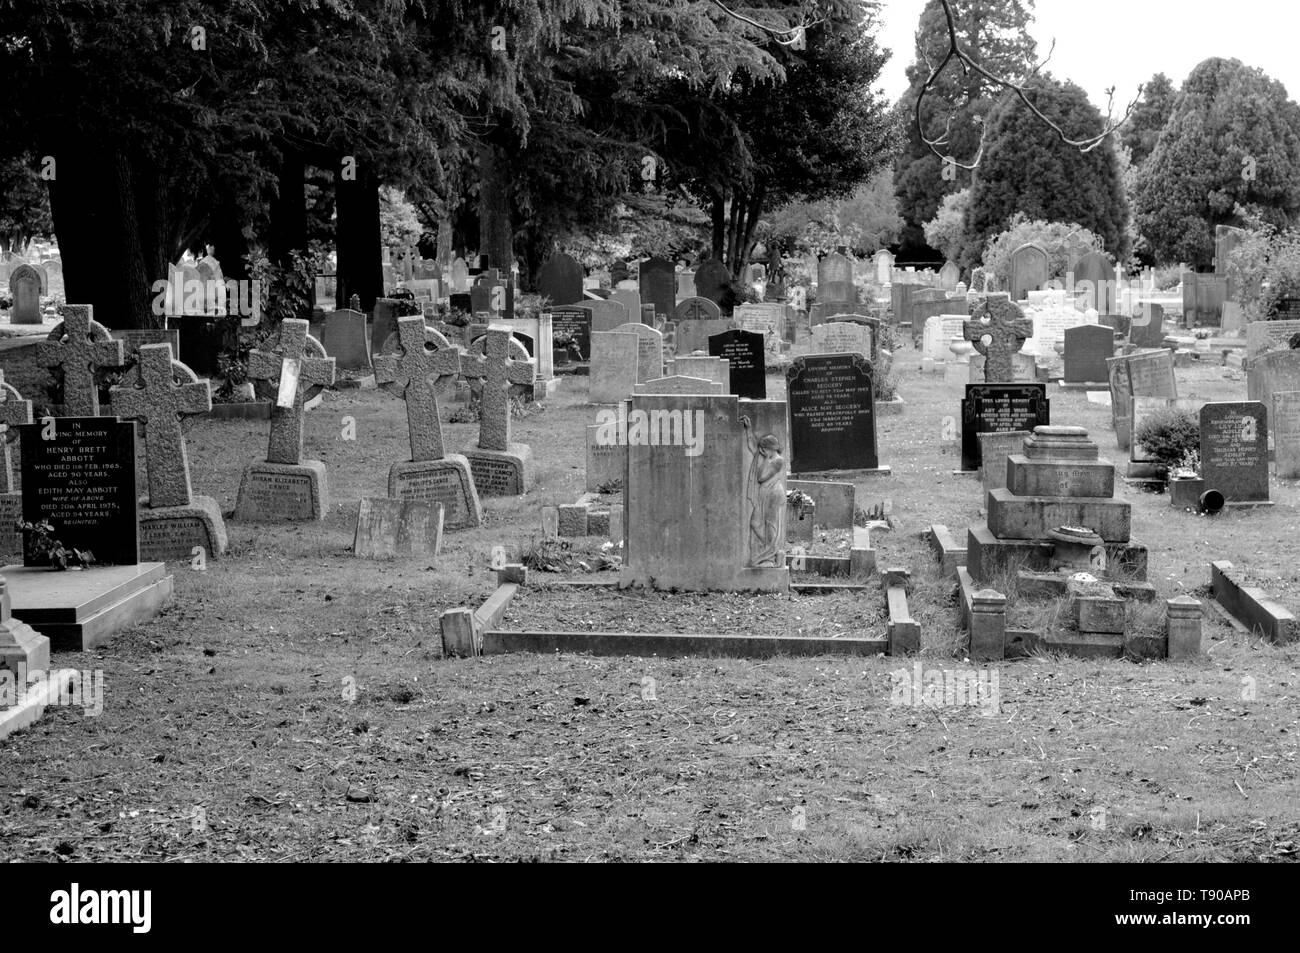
835	279
459	276
631	300
696	309
607	315
606	460
25	289
134	338
79	474
658	287
175	520
79	345
1147	326
573	324
1151	374
650	351
1094	276
998	329
832	414
845	337
686	285
1029	270
744	351
949	275
706	368
995	447
499	466
560	279
391	529
344	337
1234	450
1203	298
999	407
1087	349
14	411
287	488
615	362
1271	373
713	281
678	384
884	261
1121	397
938	333
420	362
1286	433
383	326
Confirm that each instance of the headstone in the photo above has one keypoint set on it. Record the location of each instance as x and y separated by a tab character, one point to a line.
938	333
658	286
835	279
949	275
286	488
1121	397
1286	433
845	337
573	324
995	447
998	329
745	353
1029	270
648	317
459	276
1151	374
696	309
629	299
499	465
615	359
686	285
390	529
708	368
1234	450
420	362
1094	276
1087	349
14	411
692	336
1226	240
81	478
994	407
560	279
607	315
1271	373
677	384
1143	407
650	351
79	345
1203	298
884	266
713	281
25	288
1147	326
606	460
344	338
832	413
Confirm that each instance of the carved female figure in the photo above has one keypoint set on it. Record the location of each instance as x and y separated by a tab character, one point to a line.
765	497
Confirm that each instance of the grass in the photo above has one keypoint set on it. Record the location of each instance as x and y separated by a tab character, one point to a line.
292	702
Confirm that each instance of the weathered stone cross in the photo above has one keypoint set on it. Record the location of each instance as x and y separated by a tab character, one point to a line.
159	402
1006	328
294	372
13	411
413	375
497	371
84	347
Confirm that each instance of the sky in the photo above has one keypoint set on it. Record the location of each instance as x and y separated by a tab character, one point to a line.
1122	43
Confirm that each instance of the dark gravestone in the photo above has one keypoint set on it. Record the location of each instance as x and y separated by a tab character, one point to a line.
202	341
1234	450
82	480
462	302
713	281
1087	349
1147	329
1287	309
999	408
560	279
744	350
659	287
832	413
1094	275
573	324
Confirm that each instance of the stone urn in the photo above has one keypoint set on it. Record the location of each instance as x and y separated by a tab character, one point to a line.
1077	549
962	350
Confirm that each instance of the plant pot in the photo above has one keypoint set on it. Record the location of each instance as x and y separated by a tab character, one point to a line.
1185	493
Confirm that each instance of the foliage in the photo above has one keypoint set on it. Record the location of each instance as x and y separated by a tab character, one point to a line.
561	555
1027	169
399	220
1228	121
286	289
1063	242
864	222
946	232
24	204
1265	268
47	549
1169	435
1139	134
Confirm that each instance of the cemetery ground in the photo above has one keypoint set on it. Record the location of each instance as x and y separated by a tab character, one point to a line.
227	732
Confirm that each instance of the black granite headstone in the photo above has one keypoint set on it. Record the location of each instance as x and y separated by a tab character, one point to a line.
832	413
1087	349
1234	450
573	324
79	474
999	408
744	349
658	283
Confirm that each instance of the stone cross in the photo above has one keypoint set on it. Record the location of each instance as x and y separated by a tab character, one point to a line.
498	371
158	401
82	348
294	370
1006	327
13	411
414	375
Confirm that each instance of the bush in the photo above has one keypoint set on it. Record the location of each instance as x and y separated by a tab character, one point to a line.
1171	436
1063	242
1265	268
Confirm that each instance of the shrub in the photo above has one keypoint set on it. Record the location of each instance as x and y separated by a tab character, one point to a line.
1170	435
1063	242
1265	268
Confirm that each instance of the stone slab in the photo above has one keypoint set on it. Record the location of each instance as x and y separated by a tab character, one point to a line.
1074	478
448	481
501	472
77	610
170	533
391	529
283	493
1033	517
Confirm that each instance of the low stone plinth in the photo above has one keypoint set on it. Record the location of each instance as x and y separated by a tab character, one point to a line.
283	493
170	533
1033	517
500	472
447	481
1076	478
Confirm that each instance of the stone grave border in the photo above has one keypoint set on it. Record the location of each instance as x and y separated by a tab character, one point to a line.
37	698
1250	607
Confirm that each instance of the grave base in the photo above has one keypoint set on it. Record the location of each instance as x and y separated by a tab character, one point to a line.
986	555
447	481
170	533
283	493
500	472
1088	645
1084	385
706	579
841	476
79	609
21	644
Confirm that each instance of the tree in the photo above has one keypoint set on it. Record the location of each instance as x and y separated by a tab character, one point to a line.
865	221
399	222
1142	130
24	206
1229	153
1027	169
996	33
947	230
1064	242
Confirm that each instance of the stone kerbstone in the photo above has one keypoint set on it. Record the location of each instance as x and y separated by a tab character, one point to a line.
1183	628
573	521
500	472
1100	613
1032	517
283	493
447	481
1078	478
1084	644
598	523
1060	443
170	533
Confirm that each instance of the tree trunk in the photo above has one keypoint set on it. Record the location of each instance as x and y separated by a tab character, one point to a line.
718	214
289	210
496	233
359	241
752	214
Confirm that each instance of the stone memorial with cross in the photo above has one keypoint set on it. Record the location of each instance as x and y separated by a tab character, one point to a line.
286	488
80	345
175	520
998	329
499	465
13	411
420	361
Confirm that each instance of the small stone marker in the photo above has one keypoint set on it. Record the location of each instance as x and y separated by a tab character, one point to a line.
388	529
1234	450
832	414
14	411
499	466
1286	433
176	520
81	346
285	487
745	353
420	362
998	329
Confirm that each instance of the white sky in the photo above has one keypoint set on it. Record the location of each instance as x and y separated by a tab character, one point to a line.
1122	43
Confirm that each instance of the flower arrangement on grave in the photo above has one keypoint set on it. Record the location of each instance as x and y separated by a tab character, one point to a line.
800	502
1188	466
46	547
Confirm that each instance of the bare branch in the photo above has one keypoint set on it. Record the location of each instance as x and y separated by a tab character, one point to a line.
791	36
